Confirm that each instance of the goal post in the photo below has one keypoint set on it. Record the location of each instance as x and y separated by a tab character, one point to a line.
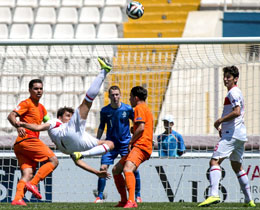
183	77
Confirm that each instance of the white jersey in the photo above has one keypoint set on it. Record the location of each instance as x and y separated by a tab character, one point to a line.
71	137
234	128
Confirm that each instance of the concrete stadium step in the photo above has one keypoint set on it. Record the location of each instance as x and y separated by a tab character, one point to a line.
161	17
152	25
161	8
153	34
146	2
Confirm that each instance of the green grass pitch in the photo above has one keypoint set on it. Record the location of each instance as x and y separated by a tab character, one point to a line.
157	206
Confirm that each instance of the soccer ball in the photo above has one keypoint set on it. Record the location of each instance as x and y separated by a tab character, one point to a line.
135	10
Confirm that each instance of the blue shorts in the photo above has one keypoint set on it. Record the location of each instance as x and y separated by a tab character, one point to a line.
108	158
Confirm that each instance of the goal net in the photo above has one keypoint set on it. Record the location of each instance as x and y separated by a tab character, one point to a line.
183	77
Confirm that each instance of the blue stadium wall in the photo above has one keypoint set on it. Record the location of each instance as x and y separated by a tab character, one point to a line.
241	24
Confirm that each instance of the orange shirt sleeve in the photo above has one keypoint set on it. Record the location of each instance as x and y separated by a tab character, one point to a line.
22	108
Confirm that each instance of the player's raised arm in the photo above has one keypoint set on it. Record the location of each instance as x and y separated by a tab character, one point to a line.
34	127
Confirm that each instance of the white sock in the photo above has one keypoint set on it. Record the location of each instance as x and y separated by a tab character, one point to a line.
215	176
244	184
97	150
93	91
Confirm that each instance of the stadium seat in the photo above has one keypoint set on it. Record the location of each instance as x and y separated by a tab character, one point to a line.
79	65
112	15
107	31
5	15
9	84
23	15
63	31
81	51
74	3
73	84
89	15
50	101
41	31
85	31
7	3
56	65
69	100
13	65
27	3
46	15
120	3
49	3
4	124
67	15
53	84
8	102
104	51
19	31
3	31
94	3
35	64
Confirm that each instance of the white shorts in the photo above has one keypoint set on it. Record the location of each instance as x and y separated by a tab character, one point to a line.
232	148
76	139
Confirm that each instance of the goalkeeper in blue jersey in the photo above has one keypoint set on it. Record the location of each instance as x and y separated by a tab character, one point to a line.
170	142
116	116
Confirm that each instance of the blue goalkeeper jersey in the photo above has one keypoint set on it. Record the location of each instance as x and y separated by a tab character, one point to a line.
118	125
169	145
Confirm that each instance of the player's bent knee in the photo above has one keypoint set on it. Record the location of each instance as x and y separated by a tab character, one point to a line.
54	160
110	144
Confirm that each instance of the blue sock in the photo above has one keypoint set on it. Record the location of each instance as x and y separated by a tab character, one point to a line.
138	184
101	187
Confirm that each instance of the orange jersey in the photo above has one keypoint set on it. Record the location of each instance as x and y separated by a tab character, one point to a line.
31	113
143	114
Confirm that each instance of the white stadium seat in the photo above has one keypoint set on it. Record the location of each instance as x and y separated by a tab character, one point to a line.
89	15
112	15
19	31
95	3
42	31
7	3
50	101
10	84
85	31
27	3
13	65
53	84
67	15
63	31
35	66
23	15
4	123
107	31
46	15
56	65
74	3
3	31
81	51
49	3
8	102
120	3
5	15
73	84
79	65
69	100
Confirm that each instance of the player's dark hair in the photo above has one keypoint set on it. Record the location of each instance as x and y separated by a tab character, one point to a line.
140	92
114	87
33	81
233	70
64	109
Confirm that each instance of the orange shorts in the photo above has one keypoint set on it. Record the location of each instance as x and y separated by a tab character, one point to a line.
136	156
31	151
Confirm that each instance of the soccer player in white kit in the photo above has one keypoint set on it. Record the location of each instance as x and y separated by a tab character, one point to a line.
68	130
233	137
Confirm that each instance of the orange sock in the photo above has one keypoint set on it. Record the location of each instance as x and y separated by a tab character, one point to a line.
130	183
19	190
120	185
43	171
